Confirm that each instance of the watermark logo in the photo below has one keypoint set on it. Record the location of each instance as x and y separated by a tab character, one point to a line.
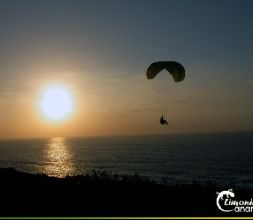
226	202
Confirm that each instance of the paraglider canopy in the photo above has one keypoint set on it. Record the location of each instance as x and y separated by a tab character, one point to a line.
174	68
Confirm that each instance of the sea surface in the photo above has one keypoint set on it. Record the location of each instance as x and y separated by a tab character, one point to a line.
226	158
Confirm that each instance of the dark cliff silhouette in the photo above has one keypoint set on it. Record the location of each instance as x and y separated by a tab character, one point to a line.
102	194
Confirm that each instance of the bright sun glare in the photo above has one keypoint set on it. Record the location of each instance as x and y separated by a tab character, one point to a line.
56	103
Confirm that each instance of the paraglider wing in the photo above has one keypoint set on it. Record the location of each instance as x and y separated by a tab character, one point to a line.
174	68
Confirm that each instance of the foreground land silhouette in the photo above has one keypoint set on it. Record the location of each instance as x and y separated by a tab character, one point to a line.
103	194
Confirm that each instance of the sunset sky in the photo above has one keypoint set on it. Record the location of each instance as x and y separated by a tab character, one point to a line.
99	52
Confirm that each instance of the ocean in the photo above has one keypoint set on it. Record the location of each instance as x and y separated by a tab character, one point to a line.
226	158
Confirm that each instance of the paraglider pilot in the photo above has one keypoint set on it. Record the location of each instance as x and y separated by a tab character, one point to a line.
163	121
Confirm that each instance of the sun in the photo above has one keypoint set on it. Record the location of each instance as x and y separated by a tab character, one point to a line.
56	103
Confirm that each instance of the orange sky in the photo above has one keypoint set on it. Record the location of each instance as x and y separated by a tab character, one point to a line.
99	51
119	105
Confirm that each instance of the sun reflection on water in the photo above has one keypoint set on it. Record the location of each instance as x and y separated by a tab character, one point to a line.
59	158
